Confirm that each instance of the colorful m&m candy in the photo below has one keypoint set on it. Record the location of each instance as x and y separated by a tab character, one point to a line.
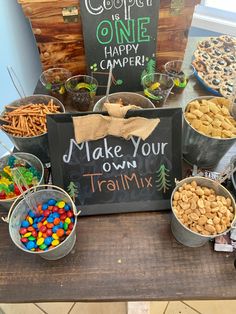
47	228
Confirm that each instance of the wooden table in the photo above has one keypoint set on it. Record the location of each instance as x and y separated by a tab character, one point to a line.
120	257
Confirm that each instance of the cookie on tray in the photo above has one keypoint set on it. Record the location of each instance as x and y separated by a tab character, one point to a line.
229	71
229	40
230	59
202	55
226	88
205	44
213	81
199	65
215	52
215	68
219	61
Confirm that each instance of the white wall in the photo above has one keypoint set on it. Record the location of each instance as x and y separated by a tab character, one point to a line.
17	49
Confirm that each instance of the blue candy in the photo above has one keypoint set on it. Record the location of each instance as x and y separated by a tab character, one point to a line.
60	225
25	224
67	207
31	214
51	202
39	219
72	219
48	240
35	225
50	219
55	228
30	245
45	206
55	215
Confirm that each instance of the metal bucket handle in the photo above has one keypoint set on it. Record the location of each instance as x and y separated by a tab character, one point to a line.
34	189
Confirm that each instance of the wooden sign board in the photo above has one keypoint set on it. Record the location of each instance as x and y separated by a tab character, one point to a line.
122	35
113	175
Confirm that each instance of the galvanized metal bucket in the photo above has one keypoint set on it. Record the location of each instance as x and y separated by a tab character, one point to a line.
36	145
202	150
186	236
127	98
19	210
35	162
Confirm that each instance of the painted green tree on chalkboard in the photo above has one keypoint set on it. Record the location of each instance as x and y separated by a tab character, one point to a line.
162	181
150	68
72	190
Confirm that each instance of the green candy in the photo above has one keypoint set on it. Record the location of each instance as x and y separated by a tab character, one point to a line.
31	238
43	246
65	226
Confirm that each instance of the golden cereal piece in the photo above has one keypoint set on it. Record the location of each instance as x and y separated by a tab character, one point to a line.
202	220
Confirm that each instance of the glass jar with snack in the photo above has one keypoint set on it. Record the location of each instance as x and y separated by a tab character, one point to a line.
180	74
82	90
157	87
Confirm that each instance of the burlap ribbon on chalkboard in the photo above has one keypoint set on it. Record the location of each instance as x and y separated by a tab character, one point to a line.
96	126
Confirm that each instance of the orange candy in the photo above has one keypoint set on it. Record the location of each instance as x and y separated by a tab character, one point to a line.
40	224
49	225
44	235
30	228
56	221
68	232
60	232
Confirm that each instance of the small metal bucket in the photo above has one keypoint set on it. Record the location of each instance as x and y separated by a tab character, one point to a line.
35	162
202	150
127	98
20	209
36	145
186	236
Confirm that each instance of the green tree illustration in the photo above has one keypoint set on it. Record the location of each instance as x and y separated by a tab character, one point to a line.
150	69
162	181
72	190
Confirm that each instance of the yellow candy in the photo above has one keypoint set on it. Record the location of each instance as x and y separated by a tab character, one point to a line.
40	234
27	234
5	181
61	204
30	220
155	86
55	242
67	220
45	222
7	169
55	236
40	241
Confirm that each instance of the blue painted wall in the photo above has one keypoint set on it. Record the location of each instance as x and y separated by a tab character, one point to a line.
17	49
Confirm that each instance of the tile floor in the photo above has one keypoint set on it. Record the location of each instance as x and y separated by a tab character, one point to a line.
177	307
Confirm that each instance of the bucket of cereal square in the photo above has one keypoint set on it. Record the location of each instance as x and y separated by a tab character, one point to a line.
209	130
202	209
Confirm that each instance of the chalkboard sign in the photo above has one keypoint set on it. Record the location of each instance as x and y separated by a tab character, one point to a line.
122	35
113	175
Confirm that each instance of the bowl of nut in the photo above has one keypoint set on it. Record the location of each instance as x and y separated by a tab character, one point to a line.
202	209
209	130
24	122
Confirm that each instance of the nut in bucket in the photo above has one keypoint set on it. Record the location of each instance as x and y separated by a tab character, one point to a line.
202	209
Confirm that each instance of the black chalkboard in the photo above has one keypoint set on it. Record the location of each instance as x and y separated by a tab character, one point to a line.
114	175
121	34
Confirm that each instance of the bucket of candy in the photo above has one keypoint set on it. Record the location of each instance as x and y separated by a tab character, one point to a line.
44	222
202	210
27	166
24	122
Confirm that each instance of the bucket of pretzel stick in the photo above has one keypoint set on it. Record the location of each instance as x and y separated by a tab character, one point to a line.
24	122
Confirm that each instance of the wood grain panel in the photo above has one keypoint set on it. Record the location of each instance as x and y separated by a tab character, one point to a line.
55	54
74	67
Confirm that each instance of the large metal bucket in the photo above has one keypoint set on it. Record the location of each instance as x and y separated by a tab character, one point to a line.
36	145
127	98
202	150
20	210
186	236
35	162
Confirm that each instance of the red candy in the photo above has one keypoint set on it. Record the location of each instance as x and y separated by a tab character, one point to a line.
24	240
70	214
46	213
23	230
71	226
61	211
55	209
49	232
63	216
34	233
2	195
43	228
